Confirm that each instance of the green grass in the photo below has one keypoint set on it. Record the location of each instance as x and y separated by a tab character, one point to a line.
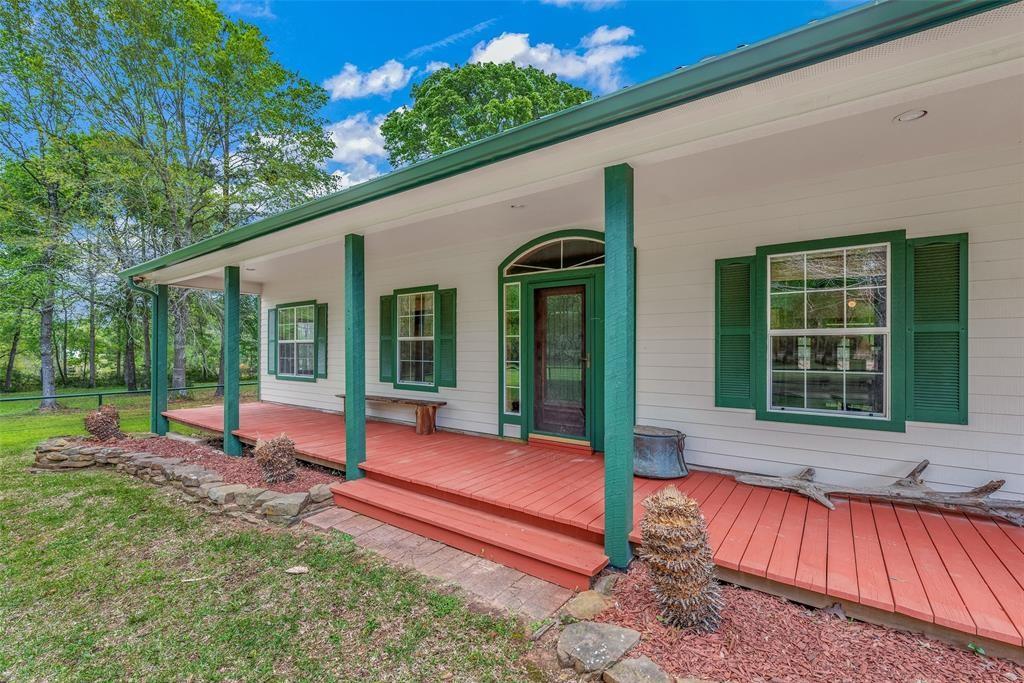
105	578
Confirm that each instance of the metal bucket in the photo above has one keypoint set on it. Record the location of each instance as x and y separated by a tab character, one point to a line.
658	453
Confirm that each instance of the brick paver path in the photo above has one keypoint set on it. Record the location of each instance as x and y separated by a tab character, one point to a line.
490	583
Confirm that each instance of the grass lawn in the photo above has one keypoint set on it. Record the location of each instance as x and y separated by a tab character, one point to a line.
105	578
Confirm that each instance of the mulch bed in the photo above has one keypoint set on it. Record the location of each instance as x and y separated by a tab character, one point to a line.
235	470
764	638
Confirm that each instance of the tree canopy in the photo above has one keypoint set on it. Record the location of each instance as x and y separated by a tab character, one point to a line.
455	106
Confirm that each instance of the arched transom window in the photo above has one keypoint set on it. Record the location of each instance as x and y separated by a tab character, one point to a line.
559	254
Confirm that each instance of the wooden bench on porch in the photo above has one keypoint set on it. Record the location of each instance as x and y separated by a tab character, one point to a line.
426	411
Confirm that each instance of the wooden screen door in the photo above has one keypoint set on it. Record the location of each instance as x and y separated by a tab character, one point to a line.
560	361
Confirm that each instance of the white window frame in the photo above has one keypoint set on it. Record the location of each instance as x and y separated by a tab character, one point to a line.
399	338
281	340
844	331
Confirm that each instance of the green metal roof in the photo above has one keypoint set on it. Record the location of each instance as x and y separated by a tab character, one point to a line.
847	32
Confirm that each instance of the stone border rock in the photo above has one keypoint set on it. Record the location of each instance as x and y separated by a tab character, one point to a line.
199	485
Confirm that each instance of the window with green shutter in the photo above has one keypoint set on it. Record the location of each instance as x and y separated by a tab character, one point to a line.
272	341
297	341
937	334
734	313
862	331
387	338
418	338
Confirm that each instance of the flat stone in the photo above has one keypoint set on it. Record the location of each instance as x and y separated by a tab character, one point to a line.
637	670
282	520
200	476
81	457
606	584
56	456
91	450
223	495
588	605
247	498
320	493
266	497
590	647
288	505
78	464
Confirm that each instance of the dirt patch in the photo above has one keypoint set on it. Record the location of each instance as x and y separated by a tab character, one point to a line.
764	638
235	470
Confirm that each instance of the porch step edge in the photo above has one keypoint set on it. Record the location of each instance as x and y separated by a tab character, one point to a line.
549	555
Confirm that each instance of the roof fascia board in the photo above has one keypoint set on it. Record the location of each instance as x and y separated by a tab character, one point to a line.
850	31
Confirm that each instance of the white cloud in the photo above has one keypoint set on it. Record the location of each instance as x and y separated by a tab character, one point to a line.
358	147
351	83
599	65
450	39
254	9
431	67
602	35
589	5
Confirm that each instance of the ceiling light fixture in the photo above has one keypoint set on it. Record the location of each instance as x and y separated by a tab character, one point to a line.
912	115
517	206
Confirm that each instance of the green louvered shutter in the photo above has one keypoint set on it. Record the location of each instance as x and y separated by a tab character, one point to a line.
321	340
272	341
937	330
446	338
386	346
734	315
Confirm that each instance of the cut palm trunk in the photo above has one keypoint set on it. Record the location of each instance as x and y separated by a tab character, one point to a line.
910	490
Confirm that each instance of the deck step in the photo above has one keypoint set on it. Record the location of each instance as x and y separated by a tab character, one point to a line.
548	555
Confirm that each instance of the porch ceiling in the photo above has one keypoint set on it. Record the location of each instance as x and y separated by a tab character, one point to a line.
800	126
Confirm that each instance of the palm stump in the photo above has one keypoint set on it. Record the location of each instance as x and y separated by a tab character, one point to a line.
276	458
675	546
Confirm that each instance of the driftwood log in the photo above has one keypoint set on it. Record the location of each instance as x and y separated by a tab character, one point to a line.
910	490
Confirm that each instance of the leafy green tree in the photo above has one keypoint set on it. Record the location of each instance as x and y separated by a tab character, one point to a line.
453	107
218	131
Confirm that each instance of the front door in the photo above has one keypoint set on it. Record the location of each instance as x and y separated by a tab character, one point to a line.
560	361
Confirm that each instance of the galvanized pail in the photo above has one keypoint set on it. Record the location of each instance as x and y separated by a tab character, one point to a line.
658	452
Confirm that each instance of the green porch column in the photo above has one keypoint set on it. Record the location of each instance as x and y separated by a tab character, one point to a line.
355	357
619	370
232	290
159	341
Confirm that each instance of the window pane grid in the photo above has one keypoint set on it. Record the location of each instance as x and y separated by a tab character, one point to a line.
416	338
296	331
512	338
828	331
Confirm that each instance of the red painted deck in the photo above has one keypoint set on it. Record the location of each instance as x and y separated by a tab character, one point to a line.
958	572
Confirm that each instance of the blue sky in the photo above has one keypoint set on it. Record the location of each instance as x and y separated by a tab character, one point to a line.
368	54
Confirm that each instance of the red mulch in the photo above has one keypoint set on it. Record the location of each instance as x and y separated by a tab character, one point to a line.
764	638
235	470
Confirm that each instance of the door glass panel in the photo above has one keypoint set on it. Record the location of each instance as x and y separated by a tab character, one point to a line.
559	361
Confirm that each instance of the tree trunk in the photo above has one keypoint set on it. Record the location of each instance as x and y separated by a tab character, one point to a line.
220	371
178	379
92	323
58	354
64	349
146	360
130	381
11	357
46	377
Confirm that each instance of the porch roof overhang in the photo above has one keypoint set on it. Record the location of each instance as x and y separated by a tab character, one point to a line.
845	33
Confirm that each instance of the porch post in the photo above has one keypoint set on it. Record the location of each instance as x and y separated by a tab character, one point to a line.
355	357
159	342
619	371
232	286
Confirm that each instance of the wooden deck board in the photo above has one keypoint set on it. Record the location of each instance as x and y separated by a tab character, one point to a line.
959	572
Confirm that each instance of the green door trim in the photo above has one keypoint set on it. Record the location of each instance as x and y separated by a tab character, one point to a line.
594	276
593	283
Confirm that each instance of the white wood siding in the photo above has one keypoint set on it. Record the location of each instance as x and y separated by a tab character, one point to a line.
979	192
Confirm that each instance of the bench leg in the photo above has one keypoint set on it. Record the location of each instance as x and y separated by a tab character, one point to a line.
426	419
